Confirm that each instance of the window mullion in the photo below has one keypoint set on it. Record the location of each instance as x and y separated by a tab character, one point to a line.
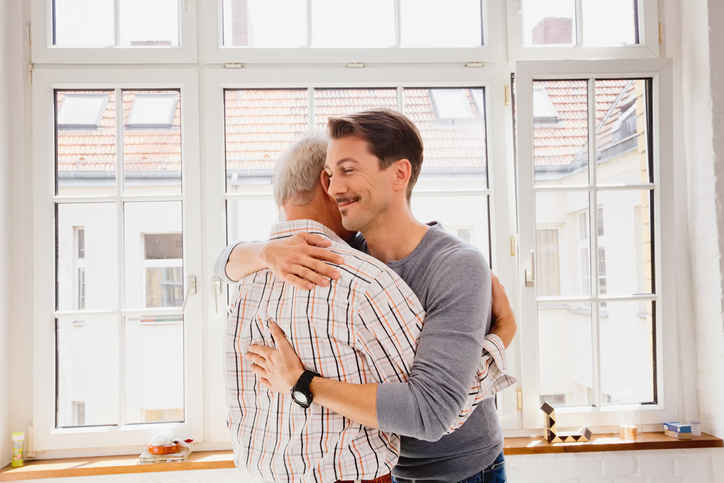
310	94
120	178
398	23
593	237
579	22
117	22
309	23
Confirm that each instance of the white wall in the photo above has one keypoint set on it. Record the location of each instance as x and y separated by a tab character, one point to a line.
15	384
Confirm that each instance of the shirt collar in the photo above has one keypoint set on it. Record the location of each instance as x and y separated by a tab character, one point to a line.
289	228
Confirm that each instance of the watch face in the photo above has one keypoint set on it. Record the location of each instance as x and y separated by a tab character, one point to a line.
300	398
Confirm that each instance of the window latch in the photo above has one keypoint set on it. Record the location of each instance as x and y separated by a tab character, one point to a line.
217	292
190	290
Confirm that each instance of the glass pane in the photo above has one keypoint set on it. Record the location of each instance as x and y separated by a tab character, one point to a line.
609	22
260	125
87	265
265	23
152	142
625	254
563	260
627	352
87	371
452	126
441	23
85	143
463	216
549	22
154	369
337	102
84	23
153	249
565	348
351	23
560	129
152	23
621	133
251	219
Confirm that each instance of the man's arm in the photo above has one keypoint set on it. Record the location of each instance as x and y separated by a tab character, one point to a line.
504	325
299	260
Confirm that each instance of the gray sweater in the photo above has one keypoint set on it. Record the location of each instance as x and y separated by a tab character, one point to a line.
452	280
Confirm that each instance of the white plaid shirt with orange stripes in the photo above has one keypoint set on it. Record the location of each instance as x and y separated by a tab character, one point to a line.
362	328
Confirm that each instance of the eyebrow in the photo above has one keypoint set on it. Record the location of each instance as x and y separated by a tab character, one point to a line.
341	161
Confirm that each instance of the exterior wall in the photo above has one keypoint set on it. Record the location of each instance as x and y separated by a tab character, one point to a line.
682	466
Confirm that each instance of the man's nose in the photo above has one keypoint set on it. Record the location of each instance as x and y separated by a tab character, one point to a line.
336	186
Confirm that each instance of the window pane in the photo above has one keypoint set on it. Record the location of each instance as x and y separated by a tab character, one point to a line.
351	23
452	126
91	281
465	216
251	219
85	143
621	133
150	23
265	23
560	129
609	22
154	369
438	23
547	22
337	102
260	125
565	347
87	371
84	23
153	229
628	369
152	142
562	211
627	241
548	266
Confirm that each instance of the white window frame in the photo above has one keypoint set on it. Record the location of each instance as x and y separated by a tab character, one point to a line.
494	79
604	418
494	49
44	52
648	36
46	438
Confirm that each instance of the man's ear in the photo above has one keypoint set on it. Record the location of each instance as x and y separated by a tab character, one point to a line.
324	176
403	171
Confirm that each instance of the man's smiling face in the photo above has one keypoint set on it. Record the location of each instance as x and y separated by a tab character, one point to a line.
362	191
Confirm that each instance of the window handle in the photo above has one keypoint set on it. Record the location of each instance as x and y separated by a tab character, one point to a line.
530	272
217	292
190	290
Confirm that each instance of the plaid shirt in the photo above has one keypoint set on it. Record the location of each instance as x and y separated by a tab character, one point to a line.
363	328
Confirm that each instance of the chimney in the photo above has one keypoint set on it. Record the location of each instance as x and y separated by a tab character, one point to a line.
553	30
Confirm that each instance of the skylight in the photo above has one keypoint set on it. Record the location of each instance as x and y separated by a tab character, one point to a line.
451	104
153	111
82	111
543	110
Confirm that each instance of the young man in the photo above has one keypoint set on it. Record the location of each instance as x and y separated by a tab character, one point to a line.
362	327
373	162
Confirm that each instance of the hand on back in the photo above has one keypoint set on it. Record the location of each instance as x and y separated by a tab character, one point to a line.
302	260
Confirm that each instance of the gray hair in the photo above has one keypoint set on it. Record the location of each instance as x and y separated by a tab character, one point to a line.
298	169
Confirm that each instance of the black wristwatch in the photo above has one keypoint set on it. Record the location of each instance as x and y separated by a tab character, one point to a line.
300	392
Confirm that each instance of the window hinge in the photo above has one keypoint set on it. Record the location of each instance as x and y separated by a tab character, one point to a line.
355	65
507	97
233	65
474	65
661	31
30	74
29	34
519	393
513	244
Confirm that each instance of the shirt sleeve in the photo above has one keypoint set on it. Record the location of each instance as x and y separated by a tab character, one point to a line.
220	264
448	351
387	324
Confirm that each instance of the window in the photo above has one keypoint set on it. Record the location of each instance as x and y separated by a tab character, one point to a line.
611	294
159	147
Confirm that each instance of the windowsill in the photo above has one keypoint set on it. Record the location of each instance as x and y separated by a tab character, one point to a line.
209	460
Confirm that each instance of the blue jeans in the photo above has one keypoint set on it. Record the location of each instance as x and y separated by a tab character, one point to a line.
495	473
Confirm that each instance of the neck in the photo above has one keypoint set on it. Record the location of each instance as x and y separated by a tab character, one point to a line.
396	235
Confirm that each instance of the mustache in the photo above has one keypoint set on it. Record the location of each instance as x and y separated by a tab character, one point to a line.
349	199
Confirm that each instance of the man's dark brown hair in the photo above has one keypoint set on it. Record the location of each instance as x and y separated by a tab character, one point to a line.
390	135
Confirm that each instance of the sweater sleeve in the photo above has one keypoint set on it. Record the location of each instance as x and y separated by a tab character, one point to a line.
448	352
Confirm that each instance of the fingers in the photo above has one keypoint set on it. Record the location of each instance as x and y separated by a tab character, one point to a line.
260	350
315	240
